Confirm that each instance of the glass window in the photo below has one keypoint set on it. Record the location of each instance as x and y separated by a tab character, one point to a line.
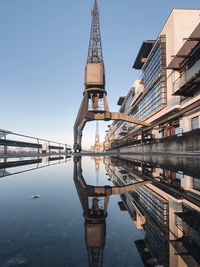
195	123
178	130
153	67
151	102
154	98
196	184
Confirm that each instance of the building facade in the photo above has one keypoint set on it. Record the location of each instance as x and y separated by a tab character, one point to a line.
167	94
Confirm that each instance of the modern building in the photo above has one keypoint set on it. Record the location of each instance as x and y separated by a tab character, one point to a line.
167	94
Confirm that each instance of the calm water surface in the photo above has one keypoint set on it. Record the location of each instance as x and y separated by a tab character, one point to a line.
52	215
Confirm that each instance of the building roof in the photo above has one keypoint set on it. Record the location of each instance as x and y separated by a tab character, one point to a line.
186	49
144	51
121	100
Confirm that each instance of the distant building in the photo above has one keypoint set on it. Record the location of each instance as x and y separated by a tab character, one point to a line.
168	92
98	147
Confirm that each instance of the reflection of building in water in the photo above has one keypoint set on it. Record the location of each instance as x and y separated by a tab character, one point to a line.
94	201
1	149
167	210
187	223
97	162
98	147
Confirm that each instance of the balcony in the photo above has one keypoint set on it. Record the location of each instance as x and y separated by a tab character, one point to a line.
188	82
124	130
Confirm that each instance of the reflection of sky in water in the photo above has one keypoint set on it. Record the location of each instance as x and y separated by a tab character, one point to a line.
49	231
90	174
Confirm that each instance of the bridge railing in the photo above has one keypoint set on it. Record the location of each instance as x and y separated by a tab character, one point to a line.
14	143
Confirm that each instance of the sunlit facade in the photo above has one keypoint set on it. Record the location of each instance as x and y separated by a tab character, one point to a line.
167	92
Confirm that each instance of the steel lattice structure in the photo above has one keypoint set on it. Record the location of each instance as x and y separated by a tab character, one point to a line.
95	54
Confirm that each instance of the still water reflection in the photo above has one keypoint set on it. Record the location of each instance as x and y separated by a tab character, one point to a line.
101	211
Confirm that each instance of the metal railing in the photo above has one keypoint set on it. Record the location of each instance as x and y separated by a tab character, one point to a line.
187	76
8	139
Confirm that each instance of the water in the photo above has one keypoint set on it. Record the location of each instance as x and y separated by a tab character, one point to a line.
52	215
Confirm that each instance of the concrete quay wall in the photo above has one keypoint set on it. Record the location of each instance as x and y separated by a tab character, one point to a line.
187	142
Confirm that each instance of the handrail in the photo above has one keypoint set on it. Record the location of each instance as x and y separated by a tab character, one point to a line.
5	132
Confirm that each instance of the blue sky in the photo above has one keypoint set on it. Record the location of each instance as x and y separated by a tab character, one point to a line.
43	51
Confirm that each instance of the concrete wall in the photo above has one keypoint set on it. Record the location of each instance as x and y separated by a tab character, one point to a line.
188	142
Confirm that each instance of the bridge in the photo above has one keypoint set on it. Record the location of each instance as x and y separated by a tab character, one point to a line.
94	93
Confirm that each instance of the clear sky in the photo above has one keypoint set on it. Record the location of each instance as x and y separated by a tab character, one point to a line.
43	51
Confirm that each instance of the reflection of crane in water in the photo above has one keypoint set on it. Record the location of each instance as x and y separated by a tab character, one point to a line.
95	216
